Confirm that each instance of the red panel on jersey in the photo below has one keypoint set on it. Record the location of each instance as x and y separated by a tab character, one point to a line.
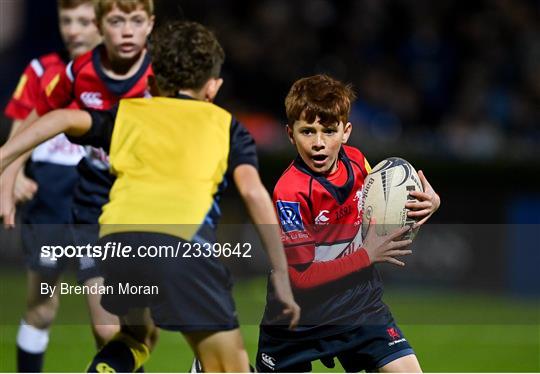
321	218
27	93
84	82
319	273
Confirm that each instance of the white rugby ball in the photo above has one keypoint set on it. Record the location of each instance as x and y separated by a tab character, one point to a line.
385	192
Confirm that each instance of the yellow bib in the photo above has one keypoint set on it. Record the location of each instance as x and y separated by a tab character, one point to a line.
169	156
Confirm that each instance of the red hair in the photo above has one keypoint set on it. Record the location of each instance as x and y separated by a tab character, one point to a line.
319	96
103	7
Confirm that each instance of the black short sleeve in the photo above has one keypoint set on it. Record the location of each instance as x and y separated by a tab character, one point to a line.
242	147
100	132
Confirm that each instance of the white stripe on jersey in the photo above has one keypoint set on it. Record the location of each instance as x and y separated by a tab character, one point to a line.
69	72
325	253
330	252
37	67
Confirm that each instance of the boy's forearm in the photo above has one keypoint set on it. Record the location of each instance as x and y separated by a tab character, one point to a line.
320	273
72	122
261	211
8	176
17	127
14	127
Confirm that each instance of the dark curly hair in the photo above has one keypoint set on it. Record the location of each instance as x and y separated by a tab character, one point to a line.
184	56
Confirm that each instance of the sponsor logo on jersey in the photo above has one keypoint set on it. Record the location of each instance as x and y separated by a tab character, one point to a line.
358	199
289	216
59	151
393	333
97	157
343	211
321	219
268	361
92	100
60	144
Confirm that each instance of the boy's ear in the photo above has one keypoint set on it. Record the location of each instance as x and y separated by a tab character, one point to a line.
290	134
211	88
347	128
150	26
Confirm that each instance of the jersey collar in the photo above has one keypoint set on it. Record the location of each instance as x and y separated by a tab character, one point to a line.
118	87
339	193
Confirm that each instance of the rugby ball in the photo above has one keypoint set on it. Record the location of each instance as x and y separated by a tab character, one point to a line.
385	192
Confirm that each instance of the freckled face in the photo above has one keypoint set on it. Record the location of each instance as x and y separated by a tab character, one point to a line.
125	34
318	145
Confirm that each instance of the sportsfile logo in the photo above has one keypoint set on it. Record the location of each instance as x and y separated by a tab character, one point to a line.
268	361
92	100
289	216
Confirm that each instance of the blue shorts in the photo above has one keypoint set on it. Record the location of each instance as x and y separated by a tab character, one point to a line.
88	267
34	236
190	294
47	220
363	348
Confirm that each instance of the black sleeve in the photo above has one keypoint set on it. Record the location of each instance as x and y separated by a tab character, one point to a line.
242	148
100	133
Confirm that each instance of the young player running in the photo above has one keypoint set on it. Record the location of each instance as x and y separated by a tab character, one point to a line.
98	79
173	157
330	266
53	168
119	68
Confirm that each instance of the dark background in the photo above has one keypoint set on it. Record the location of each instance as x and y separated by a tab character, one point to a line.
451	86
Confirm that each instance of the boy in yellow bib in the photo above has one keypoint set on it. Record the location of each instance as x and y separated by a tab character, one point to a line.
173	156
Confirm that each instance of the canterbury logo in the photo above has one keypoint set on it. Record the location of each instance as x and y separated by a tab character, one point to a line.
268	361
92	99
